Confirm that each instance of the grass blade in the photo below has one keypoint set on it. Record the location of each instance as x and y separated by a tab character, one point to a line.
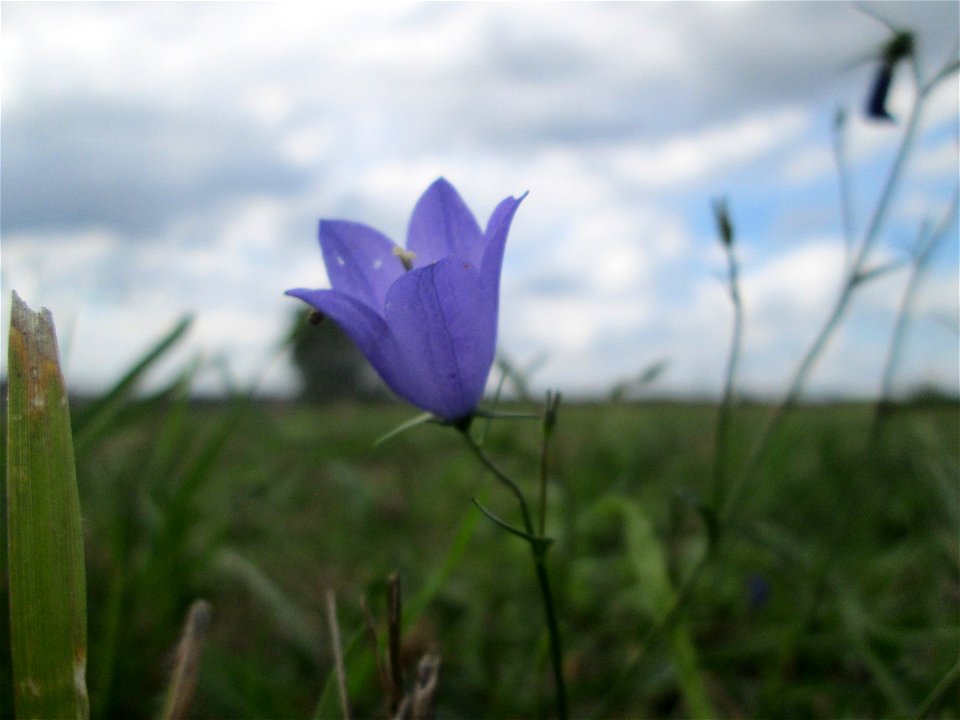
47	584
657	596
96	420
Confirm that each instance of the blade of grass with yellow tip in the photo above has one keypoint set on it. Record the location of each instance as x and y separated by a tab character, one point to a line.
47	586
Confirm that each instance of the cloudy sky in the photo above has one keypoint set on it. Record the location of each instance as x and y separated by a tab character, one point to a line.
163	158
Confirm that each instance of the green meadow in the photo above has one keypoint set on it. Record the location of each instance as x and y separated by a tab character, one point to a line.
833	591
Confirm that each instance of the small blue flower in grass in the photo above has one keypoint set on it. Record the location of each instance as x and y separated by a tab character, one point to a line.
425	317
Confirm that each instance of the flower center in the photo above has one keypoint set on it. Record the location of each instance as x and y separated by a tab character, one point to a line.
406	257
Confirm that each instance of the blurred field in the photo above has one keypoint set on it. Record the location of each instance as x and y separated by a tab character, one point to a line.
836	592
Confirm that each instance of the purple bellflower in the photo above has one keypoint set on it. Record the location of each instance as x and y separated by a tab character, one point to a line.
425	317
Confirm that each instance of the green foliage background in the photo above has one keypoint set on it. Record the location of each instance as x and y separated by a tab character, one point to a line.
835	592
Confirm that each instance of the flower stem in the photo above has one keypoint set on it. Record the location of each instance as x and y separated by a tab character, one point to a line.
538	546
553	628
502	477
722	439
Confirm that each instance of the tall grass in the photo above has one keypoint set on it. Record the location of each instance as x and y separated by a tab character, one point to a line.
834	595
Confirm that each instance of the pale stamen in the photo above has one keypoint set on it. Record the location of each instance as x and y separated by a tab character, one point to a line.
406	257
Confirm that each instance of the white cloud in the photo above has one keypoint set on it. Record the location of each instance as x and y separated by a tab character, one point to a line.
808	164
692	158
792	291
938	160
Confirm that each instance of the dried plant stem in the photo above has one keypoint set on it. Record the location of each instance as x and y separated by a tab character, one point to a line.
337	649
428	673
382	673
394	637
184	681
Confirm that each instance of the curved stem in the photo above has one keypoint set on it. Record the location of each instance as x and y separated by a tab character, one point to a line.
532	539
502	477
538	546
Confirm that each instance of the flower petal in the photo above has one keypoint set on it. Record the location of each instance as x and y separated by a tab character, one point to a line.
446	330
498	227
443	226
360	261
368	330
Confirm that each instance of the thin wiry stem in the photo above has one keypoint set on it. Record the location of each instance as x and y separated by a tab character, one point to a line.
538	546
503	478
927	242
853	280
542	508
846	209
553	628
733	360
548	422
